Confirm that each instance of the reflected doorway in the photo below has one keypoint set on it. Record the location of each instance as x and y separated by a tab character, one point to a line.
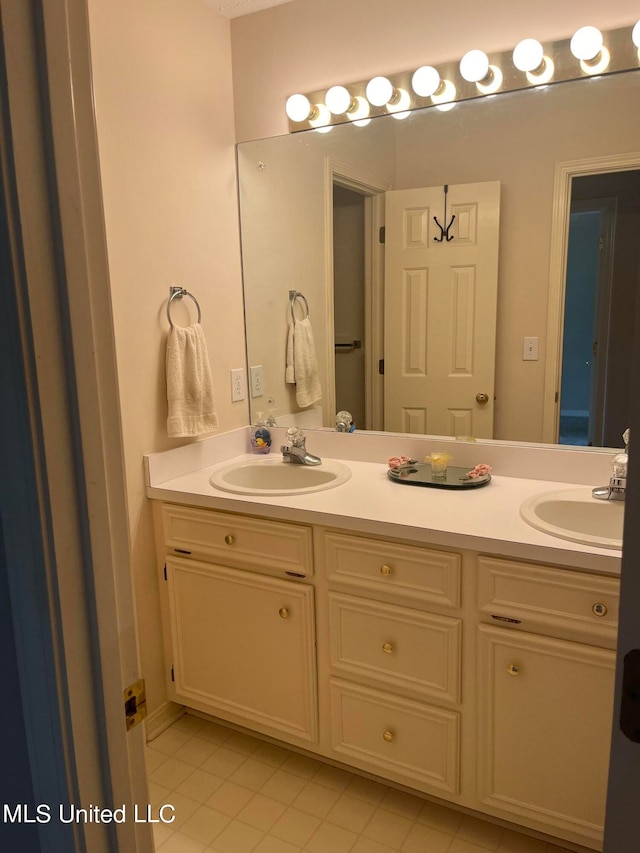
603	263
349	301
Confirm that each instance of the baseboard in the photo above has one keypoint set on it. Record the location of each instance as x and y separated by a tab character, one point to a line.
162	718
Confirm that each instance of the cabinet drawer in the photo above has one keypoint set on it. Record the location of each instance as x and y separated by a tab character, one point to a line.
398	738
396	646
570	602
238	541
417	574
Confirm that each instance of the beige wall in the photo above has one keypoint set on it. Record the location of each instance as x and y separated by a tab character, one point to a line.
284	224
309	44
163	95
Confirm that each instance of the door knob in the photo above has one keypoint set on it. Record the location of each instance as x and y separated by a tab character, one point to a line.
482	398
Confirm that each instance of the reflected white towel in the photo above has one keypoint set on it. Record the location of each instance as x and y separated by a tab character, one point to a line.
302	367
189	385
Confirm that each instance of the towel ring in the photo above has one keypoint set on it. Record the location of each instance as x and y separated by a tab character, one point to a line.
177	293
293	295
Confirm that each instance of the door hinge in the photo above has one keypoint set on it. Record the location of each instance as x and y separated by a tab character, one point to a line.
135	703
556	397
173	674
382	234
381	367
165	571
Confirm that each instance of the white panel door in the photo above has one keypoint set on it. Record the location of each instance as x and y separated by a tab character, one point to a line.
440	310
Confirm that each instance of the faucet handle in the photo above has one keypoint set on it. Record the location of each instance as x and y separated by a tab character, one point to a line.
295	436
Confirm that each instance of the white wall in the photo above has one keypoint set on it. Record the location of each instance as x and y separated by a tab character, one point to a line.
309	44
164	110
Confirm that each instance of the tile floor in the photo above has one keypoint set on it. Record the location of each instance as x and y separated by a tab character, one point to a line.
236	794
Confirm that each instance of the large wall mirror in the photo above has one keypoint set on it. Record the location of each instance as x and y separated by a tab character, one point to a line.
523	311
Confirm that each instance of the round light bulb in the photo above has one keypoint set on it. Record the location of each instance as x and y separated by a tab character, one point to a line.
360	113
400	103
322	116
379	91
425	81
445	99
474	66
528	55
635	35
586	43
338	100
298	107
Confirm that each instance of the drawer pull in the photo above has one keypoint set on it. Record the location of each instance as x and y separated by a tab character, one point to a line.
387	736
229	539
283	613
506	619
385	570
387	648
513	669
600	609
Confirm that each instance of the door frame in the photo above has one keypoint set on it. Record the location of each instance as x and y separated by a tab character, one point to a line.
69	351
373	188
565	172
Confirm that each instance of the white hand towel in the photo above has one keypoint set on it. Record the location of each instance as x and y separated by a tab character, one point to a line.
189	385
305	367
290	373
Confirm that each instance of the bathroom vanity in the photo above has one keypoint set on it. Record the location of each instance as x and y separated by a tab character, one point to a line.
396	631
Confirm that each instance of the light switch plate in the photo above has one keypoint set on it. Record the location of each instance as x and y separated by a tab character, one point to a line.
255	376
237	384
530	349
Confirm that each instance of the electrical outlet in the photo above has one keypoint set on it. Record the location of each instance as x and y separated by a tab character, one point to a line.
237	384
255	374
530	349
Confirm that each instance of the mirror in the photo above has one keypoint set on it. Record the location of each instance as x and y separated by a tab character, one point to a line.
286	187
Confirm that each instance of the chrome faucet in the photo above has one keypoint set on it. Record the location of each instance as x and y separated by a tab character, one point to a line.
617	488
297	452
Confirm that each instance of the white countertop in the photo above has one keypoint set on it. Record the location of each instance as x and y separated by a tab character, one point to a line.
485	519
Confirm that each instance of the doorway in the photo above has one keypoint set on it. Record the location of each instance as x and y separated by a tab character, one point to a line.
348	301
603	262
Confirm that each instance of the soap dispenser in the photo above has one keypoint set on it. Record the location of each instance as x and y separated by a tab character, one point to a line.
260	436
619	465
271	418
617	488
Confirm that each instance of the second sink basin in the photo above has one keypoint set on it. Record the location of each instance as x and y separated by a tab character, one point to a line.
272	476
576	515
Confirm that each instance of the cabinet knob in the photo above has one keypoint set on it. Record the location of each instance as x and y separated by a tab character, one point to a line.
385	570
230	539
513	669
600	609
387	648
387	736
283	613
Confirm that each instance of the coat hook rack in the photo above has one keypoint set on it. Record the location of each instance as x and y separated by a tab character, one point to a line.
444	231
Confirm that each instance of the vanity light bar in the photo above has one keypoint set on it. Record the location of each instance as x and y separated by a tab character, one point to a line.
587	54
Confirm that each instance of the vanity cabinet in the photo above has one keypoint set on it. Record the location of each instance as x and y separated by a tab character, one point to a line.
395	668
240	642
545	700
481	680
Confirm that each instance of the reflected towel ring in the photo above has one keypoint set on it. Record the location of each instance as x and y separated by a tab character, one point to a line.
178	293
293	295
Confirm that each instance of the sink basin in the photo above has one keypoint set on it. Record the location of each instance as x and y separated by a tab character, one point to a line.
576	515
272	476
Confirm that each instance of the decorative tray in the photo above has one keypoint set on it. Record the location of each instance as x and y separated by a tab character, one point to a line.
420	474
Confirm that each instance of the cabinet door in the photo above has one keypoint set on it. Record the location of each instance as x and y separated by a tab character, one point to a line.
545	727
243	646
